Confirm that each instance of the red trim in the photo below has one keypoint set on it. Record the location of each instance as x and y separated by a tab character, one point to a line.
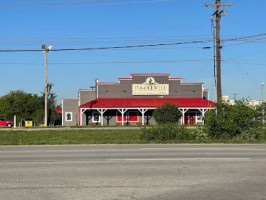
150	74
70	99
205	90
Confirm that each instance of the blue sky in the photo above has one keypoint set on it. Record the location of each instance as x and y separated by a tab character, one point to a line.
107	23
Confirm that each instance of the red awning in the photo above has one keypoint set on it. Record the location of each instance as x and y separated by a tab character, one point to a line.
58	110
147	103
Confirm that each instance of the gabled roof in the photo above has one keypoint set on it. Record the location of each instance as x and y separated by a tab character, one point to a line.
147	103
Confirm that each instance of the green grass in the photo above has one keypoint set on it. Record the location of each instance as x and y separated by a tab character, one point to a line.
53	137
111	136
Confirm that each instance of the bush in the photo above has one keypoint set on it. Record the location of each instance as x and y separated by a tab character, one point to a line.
166	132
168	113
230	121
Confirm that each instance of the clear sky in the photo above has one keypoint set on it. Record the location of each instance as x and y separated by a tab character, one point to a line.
109	23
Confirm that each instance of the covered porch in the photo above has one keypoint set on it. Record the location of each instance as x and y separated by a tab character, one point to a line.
138	111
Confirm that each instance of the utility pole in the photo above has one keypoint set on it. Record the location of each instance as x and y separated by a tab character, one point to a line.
235	96
46	50
218	15
262	101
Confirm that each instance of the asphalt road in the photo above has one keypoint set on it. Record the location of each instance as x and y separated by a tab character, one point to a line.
147	172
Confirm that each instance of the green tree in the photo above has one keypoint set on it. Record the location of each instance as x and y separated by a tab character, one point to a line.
168	113
21	104
262	109
54	118
25	105
232	120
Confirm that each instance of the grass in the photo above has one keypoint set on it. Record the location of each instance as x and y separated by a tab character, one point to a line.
53	137
111	136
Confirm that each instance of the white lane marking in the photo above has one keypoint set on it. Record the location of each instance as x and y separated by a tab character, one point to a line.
203	149
36	151
179	159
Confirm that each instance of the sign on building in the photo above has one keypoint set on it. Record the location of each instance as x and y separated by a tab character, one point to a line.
150	87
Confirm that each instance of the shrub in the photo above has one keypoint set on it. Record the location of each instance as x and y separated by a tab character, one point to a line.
166	132
168	113
229	121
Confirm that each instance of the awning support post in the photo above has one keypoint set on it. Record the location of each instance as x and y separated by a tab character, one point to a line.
122	111
81	114
142	110
183	110
203	111
101	111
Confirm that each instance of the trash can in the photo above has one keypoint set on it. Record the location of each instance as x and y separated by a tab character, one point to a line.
28	123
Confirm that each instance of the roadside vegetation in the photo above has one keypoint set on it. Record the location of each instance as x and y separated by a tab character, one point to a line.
29	106
233	124
228	123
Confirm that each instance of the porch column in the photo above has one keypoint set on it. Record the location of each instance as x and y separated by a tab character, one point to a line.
81	114
203	111
122	111
183	110
142	110
101	111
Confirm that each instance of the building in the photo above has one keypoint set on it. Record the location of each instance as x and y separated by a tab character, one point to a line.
131	101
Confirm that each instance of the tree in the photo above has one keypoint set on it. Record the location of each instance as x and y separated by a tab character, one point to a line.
168	113
20	103
262	109
25	105
54	118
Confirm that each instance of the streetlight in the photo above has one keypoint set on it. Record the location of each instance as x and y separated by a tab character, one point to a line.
46	49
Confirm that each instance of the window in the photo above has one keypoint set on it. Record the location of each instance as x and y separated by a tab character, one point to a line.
68	116
131	116
96	117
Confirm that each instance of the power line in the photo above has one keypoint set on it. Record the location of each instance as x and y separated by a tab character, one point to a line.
56	4
106	48
118	62
243	38
135	46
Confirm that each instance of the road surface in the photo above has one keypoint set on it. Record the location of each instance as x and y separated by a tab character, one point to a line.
146	172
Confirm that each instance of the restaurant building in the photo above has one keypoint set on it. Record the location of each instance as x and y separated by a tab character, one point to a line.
131	101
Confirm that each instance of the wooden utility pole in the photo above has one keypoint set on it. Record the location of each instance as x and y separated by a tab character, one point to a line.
46	50
45	91
218	15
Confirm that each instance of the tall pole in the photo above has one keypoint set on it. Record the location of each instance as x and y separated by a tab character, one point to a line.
46	50
262	101
218	52
218	15
45	90
261	90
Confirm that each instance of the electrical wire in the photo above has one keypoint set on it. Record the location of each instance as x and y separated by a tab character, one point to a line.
118	62
108	48
28	5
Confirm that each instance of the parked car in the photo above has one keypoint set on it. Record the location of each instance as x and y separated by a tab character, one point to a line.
6	123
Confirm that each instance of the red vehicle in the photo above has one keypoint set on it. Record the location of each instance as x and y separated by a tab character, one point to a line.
6	123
